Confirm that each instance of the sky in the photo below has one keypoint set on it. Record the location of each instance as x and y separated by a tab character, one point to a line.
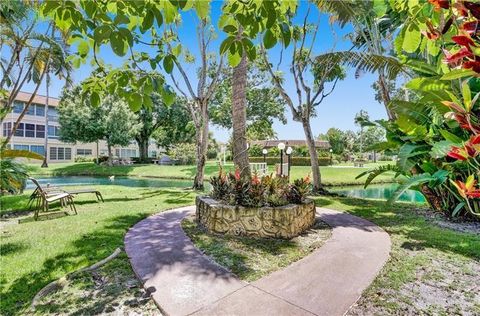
337	110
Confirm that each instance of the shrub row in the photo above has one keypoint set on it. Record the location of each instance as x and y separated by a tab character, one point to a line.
295	161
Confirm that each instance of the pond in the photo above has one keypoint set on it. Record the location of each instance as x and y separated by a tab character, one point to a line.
125	181
379	192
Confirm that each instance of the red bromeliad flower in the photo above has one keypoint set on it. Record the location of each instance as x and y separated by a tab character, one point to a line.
237	174
255	179
467	189
464	40
472	27
454	60
473	7
440	4
307	179
458	153
474	65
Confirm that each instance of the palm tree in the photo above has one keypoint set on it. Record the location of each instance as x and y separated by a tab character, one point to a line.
371	32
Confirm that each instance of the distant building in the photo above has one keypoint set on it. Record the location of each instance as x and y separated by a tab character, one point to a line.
32	133
319	144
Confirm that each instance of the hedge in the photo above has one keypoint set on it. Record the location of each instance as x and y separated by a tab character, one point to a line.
295	161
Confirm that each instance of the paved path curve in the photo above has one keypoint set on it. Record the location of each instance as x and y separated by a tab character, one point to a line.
183	281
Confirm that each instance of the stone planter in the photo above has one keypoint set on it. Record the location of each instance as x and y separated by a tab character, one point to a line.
268	222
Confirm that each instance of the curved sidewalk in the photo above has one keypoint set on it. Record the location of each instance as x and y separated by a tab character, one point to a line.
183	281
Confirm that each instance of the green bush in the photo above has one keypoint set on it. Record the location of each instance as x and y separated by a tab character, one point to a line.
295	161
84	159
184	153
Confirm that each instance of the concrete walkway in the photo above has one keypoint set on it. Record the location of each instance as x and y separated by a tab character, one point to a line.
183	281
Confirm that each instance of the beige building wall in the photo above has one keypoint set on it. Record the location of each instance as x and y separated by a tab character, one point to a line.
33	131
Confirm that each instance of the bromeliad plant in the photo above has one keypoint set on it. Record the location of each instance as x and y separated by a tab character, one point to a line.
258	191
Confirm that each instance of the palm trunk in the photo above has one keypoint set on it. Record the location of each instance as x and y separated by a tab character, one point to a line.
239	118
317	179
201	135
385	95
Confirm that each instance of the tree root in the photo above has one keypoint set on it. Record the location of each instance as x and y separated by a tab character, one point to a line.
60	283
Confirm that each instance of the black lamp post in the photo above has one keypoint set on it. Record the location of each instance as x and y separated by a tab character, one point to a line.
265	152
331	160
289	155
281	146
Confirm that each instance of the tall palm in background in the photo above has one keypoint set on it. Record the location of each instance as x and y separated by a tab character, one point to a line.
372	36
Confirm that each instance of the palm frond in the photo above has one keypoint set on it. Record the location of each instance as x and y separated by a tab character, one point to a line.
365	61
15	153
345	11
373	173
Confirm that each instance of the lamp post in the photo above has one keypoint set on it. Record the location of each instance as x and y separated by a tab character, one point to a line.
289	154
331	152
281	147
265	152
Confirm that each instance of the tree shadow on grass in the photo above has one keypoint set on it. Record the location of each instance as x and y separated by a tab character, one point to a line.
89	249
401	219
89	169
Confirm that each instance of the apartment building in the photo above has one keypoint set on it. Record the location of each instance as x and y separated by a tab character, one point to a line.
39	132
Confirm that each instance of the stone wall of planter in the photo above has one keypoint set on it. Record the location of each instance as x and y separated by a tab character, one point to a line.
267	222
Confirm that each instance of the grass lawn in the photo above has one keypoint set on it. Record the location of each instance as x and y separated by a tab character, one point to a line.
253	258
36	253
432	270
331	175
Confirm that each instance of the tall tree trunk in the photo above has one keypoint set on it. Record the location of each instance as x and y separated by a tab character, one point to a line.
385	95
239	118
317	179
110	154
201	136
45	159
142	148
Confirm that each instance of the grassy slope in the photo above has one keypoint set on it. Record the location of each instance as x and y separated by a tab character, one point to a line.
35	253
330	175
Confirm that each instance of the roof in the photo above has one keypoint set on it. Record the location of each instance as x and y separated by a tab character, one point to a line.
323	144
38	99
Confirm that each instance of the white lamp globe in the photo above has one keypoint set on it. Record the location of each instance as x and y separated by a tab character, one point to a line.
265	151
331	150
289	150
281	146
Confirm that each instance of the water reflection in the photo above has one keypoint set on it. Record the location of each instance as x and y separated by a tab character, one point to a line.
380	192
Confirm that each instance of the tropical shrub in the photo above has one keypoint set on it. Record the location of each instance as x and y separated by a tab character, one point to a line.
13	175
436	130
258	191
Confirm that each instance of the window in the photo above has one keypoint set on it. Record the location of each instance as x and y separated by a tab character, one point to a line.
40	131
17	107
7	129
84	152
52	114
53	131
68	153
20	130
126	153
39	110
60	153
152	153
38	149
31	110
21	147
29	130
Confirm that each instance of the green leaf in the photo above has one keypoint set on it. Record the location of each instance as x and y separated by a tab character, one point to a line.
234	59
168	95
121	19
457	209
83	48
286	34
451	137
118	44
168	63
147	22
147	101
94	99
177	50
102	33
269	40
226	44
440	149
135	101
412	39
379	7
457	74
202	8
